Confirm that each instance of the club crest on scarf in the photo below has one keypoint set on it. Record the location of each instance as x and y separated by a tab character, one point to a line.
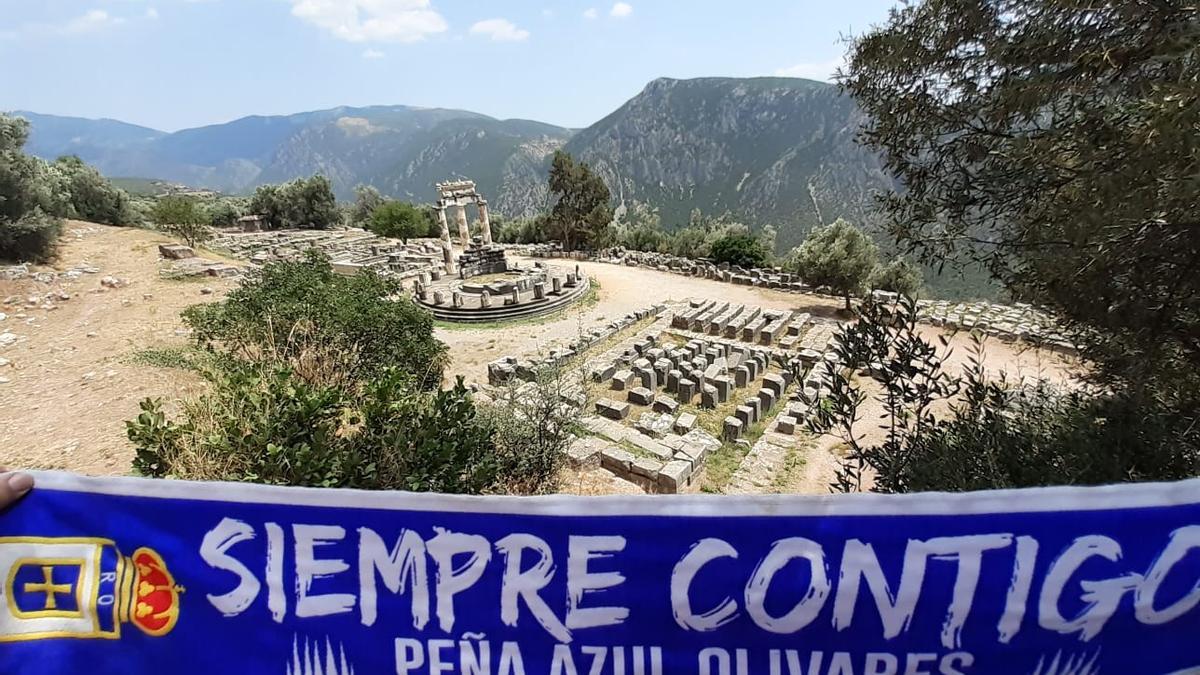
56	588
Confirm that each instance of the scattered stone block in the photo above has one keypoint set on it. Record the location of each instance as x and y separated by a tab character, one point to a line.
741	377
732	428
641	396
655	425
665	404
744	413
674	476
616	460
611	409
755	405
786	424
685	423
776	384
708	397
176	251
646	468
673	378
604	372
767	399
622	379
724	388
686	391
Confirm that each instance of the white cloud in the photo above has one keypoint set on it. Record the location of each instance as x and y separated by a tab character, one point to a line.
823	71
372	20
500	30
373	54
90	22
590	13
621	10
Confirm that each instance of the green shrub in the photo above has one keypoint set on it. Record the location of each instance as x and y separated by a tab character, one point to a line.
993	434
360	321
742	250
268	424
33	238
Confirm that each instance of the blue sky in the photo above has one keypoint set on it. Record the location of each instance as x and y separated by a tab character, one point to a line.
172	64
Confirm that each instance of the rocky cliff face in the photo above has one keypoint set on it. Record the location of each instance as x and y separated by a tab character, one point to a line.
767	150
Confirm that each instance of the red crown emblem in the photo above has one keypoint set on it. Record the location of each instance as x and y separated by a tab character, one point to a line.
154	602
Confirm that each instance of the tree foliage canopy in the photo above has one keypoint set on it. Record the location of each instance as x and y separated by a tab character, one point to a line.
900	275
305	203
182	216
838	256
1055	142
399	220
582	212
743	250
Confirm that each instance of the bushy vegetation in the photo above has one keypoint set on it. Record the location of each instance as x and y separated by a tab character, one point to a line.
326	381
35	195
183	217
838	256
742	250
306	203
988	433
1053	144
400	220
900	275
289	306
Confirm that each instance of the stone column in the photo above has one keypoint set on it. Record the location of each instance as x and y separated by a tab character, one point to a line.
464	235
447	249
485	224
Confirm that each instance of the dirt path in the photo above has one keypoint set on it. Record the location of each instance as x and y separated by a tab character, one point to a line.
70	384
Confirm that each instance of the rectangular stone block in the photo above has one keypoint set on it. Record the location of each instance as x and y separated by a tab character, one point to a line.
646	468
741	377
616	460
708	397
744	413
732	429
767	398
724	388
786	424
665	404
641	396
622	379
775	383
647	377
755	405
602	373
685	423
674	476
611	409
673	378
686	391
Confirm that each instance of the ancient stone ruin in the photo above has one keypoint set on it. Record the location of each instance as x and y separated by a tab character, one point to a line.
458	195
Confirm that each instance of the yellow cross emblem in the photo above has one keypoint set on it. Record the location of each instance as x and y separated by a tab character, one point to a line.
48	587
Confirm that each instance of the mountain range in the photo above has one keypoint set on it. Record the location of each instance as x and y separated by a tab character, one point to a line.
766	150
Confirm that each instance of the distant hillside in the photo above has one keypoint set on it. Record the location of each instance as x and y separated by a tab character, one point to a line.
400	149
52	136
768	150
